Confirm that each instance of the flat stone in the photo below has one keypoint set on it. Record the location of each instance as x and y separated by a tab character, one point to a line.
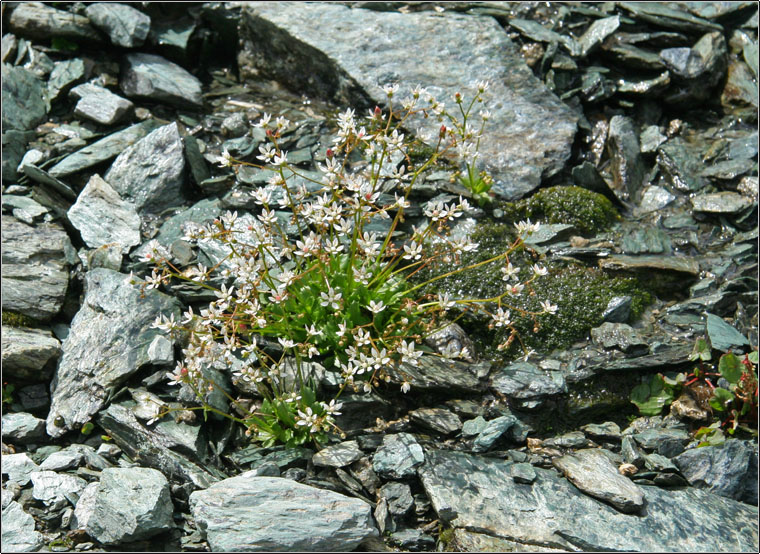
56	490
618	309
338	455
688	266
620	336
26	209
23	99
668	17
608	430
62	460
681	164
571	439
726	202
435	373
593	473
39	21
21	427
103	150
339	45
65	74
264	514
492	432
473	427
18	529
399	498
151	77
102	217
523	473
667	442
27	353
18	467
723	336
100	104
597	33
627	165
130	504
729	170
654	198
398	457
108	342
438	419
473	492
526	382
125	25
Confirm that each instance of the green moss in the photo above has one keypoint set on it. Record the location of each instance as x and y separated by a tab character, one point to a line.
14	319
588	211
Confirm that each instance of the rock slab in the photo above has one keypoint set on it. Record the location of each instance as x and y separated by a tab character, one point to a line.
269	514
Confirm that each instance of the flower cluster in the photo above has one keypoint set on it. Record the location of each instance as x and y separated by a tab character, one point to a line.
311	284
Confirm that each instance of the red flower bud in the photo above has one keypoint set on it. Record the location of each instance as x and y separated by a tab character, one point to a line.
442	132
329	153
378	111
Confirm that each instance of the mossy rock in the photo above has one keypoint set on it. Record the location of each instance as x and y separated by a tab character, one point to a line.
14	319
587	211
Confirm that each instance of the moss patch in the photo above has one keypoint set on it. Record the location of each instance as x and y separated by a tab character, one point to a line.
588	211
13	319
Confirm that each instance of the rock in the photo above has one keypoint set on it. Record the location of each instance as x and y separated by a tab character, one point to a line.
130	504
687	407
435	373
679	265
413	540
14	146
102	217
151	77
438	419
593	473
56	490
473	427
620	336
26	209
338	44
668	17
654	198
18	467
723	336
64	75
523	473
720	203
572	439
631	452
263	514
24	105
729	470
34	270
38	21
452	338
399	498
125	25
607	431
338	455
667	442
492	432
472	492
681	165
28	353
618	309
646	240
22	428
108	342
535	31
597	33
627	166
398	457
102	150
63	460
696	70
100	104
18	530
729	170
85	506
527	384
158	448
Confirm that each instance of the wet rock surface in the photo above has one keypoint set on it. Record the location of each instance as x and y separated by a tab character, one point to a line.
115	118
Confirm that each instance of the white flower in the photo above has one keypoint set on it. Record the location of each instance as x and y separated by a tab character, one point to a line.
413	252
280	159
282	122
332	408
509	272
501	318
286	343
264	121
539	270
516	289
225	160
376	308
390	90
313	331
331	298
408	353
548	307
267	153
405	386
485	114
527	227
445	301
482	86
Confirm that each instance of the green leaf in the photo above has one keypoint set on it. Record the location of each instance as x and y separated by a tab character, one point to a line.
701	351
87	428
731	367
721	398
753	357
651	399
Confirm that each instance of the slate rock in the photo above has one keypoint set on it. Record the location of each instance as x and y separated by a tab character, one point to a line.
339	46
103	150
627	167
729	470
438	419
492	432
151	77
399	498
34	270
102	217
597	33
681	164
18	529
125	25
398	457
523	473
725	202
28	353
22	428
654	198
618	309
130	504
723	336
18	467
338	455
100	104
696	70
620	336
593	473
64	75
39	21
473	427
741	86
435	373
571	439
667	442
108	342
56	490
527	384
473	492
264	514
668	17
609	430
23	98
26	209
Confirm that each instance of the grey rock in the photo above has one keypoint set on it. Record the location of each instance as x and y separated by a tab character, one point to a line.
659	463
14	147
263	514
34	398
473	427
27	353
24	105
492	432
435	373
158	448
620	336
627	165
593	473
328	38
723	336
597	33
654	198
100	104
161	351
669	17
618	309
523	473
696	70
173	228
102	217
103	150
85	506
646	240
572	439
741	86
729	170
18	467
413	540
725	202
609	430
63	460
18	529
398	457
729	470
130	504
469	541
679	265
525	382
338	455
535	31
151	77
399	498
56	490
472	492
438	419
452	338
681	165
198	166
651	138
65	74
151	172
125	25
38	21
631	453
22	428
108	256
49	182
109	341
667	442
26	209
